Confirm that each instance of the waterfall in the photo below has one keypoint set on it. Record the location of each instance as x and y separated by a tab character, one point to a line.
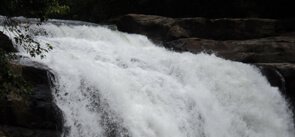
114	84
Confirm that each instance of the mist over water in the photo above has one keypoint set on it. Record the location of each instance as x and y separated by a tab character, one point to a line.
110	83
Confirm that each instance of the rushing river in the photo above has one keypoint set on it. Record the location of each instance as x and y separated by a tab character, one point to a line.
113	84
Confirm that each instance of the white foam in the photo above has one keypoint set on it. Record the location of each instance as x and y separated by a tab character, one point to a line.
148	91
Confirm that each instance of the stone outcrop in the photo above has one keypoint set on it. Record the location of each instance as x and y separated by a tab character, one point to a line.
34	114
265	50
285	72
166	29
6	44
281	75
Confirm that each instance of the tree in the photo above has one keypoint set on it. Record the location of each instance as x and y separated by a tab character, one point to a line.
41	9
10	77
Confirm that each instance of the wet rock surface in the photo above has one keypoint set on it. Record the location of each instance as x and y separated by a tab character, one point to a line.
283	71
160	28
6	44
34	115
264	50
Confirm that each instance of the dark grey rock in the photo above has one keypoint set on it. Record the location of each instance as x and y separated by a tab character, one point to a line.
8	131
281	75
6	44
159	28
33	115
265	50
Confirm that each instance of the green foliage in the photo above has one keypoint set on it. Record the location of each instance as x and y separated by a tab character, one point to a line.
33	8
24	39
11	80
55	8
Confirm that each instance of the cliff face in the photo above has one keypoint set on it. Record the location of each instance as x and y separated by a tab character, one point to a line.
33	114
266	43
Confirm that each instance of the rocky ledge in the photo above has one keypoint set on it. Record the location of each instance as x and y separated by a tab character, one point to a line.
276	49
166	29
33	115
266	43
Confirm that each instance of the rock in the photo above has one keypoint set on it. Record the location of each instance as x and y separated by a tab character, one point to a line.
227	28
286	77
264	50
281	75
155	27
160	28
34	115
6	44
25	132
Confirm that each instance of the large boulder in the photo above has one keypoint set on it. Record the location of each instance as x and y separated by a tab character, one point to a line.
33	115
155	27
6	44
160	28
281	75
265	50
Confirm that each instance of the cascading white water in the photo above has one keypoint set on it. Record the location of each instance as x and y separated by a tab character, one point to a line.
110	83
